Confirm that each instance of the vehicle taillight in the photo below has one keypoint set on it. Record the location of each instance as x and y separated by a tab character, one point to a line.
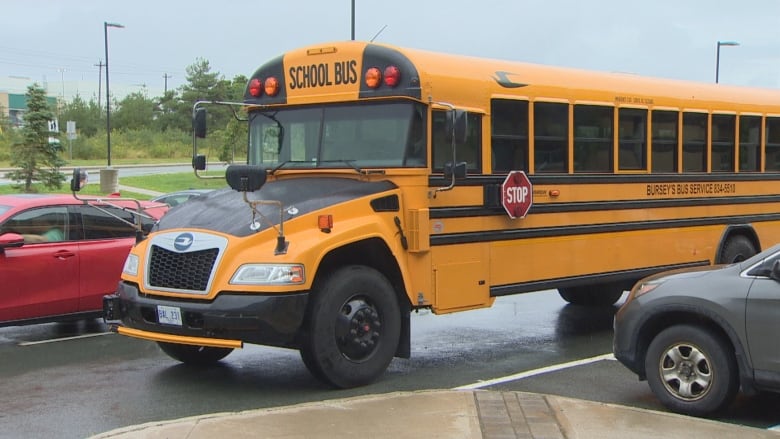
392	76
255	87
271	86
373	77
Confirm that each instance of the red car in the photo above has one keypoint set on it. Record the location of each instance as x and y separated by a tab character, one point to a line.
60	255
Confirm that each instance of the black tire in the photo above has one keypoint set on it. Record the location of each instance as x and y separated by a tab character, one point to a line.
692	370
312	366
353	328
737	249
592	295
194	355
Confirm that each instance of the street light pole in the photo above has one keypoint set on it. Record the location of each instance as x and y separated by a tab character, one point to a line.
717	56
106	25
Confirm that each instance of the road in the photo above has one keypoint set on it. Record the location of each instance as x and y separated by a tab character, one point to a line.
127	171
74	380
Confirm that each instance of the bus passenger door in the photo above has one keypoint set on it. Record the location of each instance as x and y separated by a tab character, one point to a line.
460	275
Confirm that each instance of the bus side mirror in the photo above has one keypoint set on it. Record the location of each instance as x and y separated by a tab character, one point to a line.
457	170
199	123
78	180
456	129
199	162
245	178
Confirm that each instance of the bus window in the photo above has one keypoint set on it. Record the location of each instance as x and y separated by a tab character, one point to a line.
593	138
664	141
632	137
723	137
469	152
772	143
695	142
509	135
551	137
749	143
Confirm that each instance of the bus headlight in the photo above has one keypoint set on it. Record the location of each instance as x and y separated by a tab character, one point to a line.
268	274
131	265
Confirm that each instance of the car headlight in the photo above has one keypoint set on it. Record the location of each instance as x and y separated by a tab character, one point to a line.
131	265
268	274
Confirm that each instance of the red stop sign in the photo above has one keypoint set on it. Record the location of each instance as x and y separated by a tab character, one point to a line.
517	194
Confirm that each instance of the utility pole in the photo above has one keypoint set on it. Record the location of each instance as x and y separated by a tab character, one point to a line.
166	76
100	65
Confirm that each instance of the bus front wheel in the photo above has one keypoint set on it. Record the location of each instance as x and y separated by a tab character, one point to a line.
353	328
592	295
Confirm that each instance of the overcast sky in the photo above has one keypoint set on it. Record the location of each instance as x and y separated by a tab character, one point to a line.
62	40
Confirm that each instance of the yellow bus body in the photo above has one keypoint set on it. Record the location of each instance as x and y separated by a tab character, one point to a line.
631	176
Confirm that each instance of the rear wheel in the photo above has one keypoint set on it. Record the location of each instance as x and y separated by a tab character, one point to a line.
354	326
195	355
737	249
592	295
692	370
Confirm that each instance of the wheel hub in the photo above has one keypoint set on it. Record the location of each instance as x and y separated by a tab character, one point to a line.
686	371
358	329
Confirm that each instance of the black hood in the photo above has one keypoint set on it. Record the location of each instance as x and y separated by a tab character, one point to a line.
226	211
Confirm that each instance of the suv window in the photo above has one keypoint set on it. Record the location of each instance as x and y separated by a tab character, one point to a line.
44	224
765	267
102	222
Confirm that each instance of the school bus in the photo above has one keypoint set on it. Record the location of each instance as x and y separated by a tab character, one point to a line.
383	180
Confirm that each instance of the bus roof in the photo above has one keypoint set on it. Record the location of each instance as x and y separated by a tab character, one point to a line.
304	74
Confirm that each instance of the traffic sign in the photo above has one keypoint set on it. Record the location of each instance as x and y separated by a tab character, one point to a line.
517	194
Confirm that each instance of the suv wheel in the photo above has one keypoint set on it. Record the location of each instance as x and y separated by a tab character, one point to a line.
692	370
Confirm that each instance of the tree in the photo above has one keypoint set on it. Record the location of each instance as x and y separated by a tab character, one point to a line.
236	131
87	115
166	116
135	111
204	85
37	156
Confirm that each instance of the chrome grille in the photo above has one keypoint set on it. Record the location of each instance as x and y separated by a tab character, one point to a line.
181	271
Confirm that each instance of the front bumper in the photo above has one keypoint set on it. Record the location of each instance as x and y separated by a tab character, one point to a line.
272	320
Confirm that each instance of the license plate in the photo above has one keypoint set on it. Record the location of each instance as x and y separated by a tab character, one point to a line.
169	315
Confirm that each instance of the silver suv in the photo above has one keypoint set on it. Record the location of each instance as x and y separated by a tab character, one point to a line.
698	335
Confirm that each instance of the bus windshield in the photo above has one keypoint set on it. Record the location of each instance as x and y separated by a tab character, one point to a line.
339	136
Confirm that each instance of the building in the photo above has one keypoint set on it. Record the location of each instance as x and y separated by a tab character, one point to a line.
13	90
13	106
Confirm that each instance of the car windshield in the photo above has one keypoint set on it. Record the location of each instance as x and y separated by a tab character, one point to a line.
364	135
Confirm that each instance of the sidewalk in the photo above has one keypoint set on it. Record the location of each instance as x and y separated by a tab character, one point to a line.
444	414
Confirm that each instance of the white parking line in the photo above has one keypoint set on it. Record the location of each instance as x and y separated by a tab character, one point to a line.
540	371
54	340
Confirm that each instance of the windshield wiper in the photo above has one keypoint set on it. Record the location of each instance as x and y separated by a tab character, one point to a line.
283	164
350	163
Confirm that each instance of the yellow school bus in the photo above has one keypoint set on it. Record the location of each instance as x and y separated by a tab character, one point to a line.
383	180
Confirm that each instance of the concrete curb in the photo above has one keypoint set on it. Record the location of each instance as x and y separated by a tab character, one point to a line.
444	414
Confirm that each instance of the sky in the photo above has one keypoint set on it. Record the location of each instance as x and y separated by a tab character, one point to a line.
59	43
